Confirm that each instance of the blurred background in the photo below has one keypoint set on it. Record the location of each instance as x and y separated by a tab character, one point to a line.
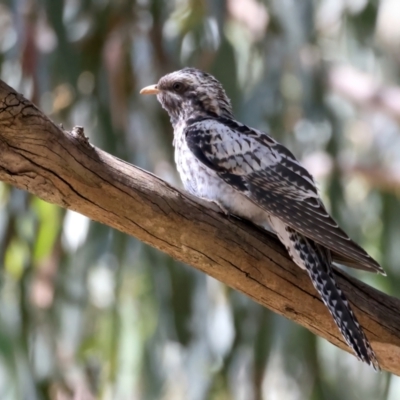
89	313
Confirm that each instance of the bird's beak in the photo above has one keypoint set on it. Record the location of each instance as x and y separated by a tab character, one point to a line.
152	89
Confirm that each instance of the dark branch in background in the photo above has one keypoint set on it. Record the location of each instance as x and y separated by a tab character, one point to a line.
63	168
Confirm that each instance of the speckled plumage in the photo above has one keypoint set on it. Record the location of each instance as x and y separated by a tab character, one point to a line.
251	175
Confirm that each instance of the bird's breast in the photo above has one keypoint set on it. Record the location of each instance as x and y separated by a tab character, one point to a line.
203	182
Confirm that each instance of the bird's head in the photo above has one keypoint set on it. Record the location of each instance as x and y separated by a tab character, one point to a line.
190	93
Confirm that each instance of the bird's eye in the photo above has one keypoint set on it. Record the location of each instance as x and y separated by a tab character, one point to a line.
177	86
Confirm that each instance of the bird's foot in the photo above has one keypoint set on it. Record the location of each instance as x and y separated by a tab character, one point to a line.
225	211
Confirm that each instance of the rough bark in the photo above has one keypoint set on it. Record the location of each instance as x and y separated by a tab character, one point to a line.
63	168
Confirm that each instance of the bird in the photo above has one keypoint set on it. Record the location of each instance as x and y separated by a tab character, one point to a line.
251	175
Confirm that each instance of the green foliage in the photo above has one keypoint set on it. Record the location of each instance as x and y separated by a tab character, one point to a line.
87	312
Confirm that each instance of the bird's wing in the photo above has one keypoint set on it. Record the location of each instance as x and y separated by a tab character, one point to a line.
268	174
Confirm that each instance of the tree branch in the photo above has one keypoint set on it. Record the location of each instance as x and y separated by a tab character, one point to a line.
63	168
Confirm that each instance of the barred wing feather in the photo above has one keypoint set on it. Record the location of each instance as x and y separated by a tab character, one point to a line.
268	174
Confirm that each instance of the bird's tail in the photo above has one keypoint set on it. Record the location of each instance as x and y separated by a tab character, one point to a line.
317	261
